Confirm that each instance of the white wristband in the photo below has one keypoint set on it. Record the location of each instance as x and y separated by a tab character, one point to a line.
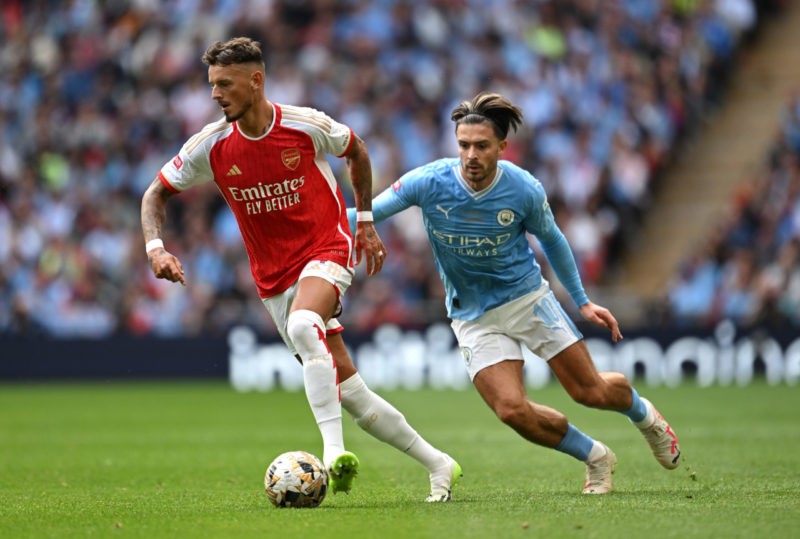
362	216
153	244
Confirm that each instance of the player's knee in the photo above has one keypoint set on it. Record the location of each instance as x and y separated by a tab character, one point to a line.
319	377
512	412
306	330
592	396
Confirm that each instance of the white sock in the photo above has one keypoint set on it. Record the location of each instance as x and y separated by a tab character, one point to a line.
429	456
649	418
307	330
319	378
598	450
383	421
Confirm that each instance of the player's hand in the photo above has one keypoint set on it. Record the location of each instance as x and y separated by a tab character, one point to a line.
602	317
369	244
165	265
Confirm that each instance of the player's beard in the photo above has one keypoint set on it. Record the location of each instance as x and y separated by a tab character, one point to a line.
230	118
474	175
481	176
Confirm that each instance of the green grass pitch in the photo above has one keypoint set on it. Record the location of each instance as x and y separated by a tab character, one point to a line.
187	459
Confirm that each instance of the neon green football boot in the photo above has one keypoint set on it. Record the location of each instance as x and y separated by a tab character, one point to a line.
342	472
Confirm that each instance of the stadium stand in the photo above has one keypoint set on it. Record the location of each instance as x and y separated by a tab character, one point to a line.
96	96
747	269
695	194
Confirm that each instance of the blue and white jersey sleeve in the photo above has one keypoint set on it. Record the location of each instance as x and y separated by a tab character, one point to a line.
541	223
408	191
392	200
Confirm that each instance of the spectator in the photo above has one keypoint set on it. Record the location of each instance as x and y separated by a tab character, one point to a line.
750	271
94	96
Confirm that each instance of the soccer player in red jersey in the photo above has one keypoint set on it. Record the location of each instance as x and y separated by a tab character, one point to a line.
268	161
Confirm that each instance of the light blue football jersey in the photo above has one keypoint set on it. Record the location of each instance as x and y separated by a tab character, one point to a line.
478	237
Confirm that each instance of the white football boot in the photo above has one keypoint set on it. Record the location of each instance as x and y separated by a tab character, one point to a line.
598	473
663	441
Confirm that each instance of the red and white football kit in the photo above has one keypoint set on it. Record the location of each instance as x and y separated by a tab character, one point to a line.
280	187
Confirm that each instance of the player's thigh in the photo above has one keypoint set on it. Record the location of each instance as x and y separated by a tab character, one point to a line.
501	383
541	324
316	294
483	343
279	307
320	288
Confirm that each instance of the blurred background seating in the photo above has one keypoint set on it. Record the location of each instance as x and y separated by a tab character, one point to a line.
96	96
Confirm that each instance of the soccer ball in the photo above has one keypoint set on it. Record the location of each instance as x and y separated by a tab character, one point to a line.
296	479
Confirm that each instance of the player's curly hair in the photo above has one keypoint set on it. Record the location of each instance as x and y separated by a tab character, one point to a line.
501	113
238	50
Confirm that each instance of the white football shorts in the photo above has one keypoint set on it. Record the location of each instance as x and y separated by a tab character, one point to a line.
280	305
535	320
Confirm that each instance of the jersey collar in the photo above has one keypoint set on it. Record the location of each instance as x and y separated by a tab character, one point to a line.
276	112
472	192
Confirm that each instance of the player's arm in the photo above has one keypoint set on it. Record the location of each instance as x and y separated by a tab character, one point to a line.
560	256
367	240
154	214
384	206
541	223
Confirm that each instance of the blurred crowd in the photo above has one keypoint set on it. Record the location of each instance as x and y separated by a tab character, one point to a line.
748	269
96	96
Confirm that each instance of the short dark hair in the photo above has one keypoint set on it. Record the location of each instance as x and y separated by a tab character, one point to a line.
239	50
489	107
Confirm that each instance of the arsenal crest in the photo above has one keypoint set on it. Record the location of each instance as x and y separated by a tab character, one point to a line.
291	158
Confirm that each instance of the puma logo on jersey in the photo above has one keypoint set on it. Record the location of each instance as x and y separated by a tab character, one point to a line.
444	211
234	171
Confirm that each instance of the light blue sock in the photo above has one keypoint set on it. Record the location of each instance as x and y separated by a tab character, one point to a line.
575	443
638	410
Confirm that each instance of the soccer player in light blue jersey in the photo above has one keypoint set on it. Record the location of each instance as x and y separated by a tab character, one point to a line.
477	211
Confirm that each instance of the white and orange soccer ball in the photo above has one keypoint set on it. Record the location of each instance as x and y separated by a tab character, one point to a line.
296	479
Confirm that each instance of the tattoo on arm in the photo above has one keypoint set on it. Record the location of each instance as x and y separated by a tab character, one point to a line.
154	212
358	163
